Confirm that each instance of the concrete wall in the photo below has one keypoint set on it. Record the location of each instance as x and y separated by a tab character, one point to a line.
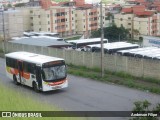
134	66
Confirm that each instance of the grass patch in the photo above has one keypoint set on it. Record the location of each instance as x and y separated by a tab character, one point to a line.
121	78
18	101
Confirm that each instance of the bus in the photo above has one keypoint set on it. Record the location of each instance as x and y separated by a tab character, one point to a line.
81	43
41	72
29	34
112	48
133	52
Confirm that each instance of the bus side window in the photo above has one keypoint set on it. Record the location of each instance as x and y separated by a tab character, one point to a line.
29	67
10	62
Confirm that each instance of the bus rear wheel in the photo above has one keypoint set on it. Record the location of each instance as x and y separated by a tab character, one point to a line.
35	87
15	80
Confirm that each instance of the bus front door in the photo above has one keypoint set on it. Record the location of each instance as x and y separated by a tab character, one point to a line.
20	70
38	77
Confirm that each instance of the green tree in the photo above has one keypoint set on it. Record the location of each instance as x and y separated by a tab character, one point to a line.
9	5
112	33
20	5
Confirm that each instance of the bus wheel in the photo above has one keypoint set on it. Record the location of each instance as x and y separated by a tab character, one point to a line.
15	80
35	87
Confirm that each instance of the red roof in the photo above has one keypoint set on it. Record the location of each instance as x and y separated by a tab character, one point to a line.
145	13
85	6
127	10
156	3
138	8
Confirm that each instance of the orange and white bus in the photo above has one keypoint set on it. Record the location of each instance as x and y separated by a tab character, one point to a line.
43	73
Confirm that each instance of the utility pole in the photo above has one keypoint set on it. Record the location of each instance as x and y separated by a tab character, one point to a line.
102	36
4	37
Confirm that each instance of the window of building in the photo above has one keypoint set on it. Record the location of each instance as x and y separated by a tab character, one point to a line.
48	29
72	18
62	20
48	15
129	23
39	16
39	29
48	22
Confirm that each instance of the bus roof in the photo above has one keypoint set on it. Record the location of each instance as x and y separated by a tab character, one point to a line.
39	33
136	50
114	45
32	57
86	40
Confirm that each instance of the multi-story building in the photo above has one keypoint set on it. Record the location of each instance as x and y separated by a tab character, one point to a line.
87	16
12	25
125	19
65	18
138	21
55	19
88	20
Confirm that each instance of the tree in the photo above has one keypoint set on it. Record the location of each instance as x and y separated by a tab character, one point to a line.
20	5
9	5
112	33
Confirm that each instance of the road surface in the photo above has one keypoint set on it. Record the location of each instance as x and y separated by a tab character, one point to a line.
86	95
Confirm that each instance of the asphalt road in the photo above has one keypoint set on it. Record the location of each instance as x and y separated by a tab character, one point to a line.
86	94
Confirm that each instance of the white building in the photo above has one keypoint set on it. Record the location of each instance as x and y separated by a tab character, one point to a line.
13	23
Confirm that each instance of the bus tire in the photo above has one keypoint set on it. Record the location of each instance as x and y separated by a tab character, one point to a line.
15	80
35	87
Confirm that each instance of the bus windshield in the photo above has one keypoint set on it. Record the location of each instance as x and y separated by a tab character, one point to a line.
54	73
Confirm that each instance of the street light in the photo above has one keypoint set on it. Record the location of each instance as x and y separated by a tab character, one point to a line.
3	27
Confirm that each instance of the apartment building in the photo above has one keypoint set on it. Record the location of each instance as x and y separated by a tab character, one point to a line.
13	23
55	19
65	18
139	21
88	20
87	16
146	23
125	19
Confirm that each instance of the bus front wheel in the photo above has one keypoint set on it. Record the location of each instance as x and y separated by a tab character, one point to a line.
35	87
